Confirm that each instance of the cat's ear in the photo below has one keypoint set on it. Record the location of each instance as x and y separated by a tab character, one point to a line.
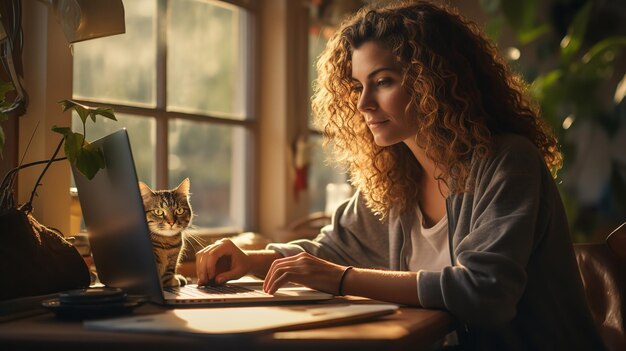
145	190
183	187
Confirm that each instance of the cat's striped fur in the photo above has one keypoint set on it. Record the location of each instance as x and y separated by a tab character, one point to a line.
168	213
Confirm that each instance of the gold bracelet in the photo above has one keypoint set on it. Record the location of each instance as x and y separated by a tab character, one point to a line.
343	275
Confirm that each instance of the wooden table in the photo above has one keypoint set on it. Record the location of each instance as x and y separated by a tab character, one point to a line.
407	329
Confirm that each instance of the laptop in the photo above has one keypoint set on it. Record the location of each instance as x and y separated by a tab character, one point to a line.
122	249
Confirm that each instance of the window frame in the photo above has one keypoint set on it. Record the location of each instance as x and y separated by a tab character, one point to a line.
242	185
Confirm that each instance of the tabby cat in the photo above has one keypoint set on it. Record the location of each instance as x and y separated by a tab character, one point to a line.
168	213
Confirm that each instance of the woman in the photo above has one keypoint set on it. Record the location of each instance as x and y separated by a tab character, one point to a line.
456	207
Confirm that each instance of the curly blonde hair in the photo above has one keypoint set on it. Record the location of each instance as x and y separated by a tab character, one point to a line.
464	90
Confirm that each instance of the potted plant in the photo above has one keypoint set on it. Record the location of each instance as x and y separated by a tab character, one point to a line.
35	259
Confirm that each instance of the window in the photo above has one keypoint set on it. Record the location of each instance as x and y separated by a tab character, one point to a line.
179	80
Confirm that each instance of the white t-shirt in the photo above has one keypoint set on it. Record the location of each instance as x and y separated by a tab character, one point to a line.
429	246
430	252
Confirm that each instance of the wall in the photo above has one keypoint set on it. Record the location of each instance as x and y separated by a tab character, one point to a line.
47	79
283	111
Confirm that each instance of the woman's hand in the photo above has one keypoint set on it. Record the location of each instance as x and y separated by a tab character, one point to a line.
304	269
221	262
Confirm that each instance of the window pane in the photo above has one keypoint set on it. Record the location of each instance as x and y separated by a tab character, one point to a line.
120	69
141	132
205	59
318	37
320	175
204	153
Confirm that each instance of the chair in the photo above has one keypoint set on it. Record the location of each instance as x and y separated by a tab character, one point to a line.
603	270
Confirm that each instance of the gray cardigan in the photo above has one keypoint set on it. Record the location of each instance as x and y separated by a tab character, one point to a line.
514	281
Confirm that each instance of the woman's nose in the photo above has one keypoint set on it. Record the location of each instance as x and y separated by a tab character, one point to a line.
366	101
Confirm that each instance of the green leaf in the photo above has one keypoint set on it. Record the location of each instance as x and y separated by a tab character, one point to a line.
522	16
528	35
73	145
80	109
90	160
67	104
73	142
87	158
62	130
599	48
545	82
71	104
85	111
546	89
101	111
573	41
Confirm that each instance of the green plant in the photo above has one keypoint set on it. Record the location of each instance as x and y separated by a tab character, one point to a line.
570	78
79	152
570	87
570	90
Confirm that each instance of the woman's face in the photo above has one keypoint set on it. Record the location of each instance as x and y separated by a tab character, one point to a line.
382	98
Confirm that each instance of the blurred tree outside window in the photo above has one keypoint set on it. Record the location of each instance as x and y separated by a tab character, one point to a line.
178	80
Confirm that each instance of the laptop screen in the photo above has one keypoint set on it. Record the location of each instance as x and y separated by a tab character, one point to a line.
115	219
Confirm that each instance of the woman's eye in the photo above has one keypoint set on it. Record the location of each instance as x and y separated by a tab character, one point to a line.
383	82
159	212
179	211
357	88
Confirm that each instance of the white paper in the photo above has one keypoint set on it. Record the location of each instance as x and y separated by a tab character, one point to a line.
235	320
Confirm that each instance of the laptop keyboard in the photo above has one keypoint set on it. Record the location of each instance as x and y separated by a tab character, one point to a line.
203	291
224	289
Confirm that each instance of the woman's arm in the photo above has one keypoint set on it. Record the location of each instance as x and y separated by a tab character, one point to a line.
316	273
357	237
390	286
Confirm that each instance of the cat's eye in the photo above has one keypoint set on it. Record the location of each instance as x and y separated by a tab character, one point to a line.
158	212
179	211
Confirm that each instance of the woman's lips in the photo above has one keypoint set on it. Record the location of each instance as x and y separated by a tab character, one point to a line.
375	124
